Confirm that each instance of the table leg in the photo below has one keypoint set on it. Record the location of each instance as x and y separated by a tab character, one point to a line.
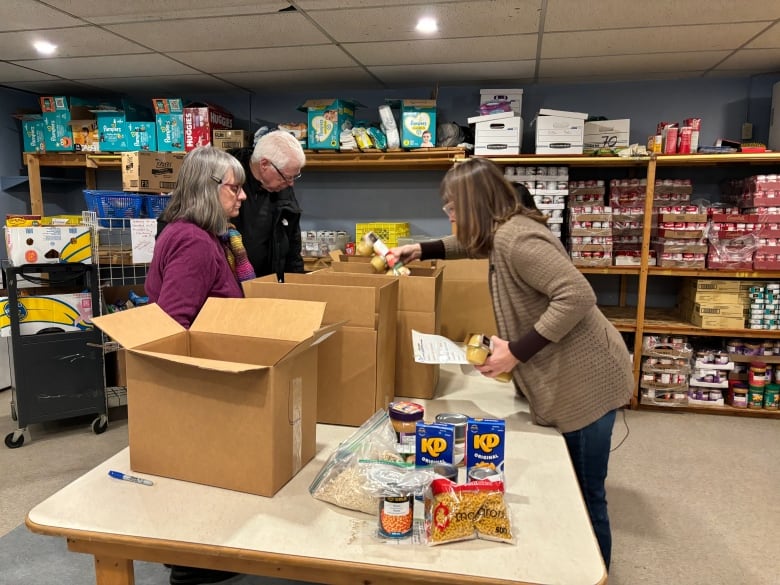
113	571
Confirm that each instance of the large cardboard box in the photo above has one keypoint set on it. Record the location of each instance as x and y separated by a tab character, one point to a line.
169	119
66	312
150	172
326	119
513	96
419	306
227	139
417	118
500	133
466	305
559	132
49	244
200	120
606	134
232	401
357	365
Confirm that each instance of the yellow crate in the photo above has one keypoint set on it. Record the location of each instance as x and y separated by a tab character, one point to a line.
388	232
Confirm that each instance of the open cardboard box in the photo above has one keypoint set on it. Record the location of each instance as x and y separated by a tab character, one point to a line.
357	365
419	307
232	401
466	305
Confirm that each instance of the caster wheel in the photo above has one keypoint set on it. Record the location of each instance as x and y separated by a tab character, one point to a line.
100	425
14	444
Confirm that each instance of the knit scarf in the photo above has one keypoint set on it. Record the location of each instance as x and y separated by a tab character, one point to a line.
236	254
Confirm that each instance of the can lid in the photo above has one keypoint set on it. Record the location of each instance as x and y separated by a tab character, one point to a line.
455	419
477	473
446	470
407	411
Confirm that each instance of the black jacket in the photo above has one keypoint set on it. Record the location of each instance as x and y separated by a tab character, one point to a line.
270	225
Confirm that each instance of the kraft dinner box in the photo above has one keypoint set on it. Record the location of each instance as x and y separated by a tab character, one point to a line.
229	403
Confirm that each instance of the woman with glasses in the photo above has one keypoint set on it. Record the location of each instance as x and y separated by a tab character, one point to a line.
571	363
199	253
270	219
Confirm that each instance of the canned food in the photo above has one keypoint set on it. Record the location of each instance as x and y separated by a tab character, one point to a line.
479	473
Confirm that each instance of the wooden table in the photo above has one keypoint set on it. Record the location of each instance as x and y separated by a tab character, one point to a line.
294	536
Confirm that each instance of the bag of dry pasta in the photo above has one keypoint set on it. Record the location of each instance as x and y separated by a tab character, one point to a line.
340	481
464	512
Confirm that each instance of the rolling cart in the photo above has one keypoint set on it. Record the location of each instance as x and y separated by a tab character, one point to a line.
57	372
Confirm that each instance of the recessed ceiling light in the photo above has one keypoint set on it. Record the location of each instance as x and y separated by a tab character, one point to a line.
44	47
427	25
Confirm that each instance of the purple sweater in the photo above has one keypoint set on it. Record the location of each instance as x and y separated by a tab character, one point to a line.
188	266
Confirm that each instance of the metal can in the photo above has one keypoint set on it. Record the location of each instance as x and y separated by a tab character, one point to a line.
458	421
396	516
479	473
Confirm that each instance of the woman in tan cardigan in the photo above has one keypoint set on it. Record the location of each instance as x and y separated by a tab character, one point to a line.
568	359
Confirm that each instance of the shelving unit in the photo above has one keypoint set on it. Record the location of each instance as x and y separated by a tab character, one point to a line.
638	320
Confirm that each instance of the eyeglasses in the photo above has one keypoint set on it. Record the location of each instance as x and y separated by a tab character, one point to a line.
449	209
235	188
284	177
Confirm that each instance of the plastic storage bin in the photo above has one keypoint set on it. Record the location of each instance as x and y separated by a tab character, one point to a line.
154	205
114	208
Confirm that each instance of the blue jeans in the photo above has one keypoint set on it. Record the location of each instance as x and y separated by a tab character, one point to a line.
589	451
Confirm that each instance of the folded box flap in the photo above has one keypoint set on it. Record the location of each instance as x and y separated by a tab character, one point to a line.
266	318
138	326
318	337
204	363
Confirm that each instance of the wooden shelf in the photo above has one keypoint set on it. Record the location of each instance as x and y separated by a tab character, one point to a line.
715	409
572	160
705	273
623	318
709	160
424	159
89	160
609	270
666	321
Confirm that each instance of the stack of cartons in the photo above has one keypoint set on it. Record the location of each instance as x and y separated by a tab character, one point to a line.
590	235
679	238
356	370
715	304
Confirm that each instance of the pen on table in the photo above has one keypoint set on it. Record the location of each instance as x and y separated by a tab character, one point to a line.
134	479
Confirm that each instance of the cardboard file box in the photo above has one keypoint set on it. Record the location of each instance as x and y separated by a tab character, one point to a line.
606	134
357	365
419	305
232	401
497	134
560	132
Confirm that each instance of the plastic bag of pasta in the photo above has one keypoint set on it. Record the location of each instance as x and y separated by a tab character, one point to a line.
340	480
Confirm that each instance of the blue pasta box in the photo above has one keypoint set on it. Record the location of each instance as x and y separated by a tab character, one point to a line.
485	444
418	122
326	119
434	443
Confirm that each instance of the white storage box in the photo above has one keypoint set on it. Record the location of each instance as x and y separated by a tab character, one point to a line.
559	132
513	96
606	134
498	134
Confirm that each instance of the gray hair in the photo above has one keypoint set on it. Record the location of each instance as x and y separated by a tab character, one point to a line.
196	196
280	148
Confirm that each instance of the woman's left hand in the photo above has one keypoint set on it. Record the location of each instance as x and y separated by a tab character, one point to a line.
500	360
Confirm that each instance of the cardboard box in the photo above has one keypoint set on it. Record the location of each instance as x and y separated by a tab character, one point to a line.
419	308
199	122
561	133
33	133
326	118
498	134
466	305
606	134
357	365
417	117
141	136
513	96
227	139
66	312
116	361
150	172
230	402
169	119
49	244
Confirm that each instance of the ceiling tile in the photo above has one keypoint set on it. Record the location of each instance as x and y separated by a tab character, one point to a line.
114	11
575	15
637	40
345	4
26	15
508	48
268	30
391	23
9	72
71	42
318	79
269	59
448	74
629	64
182	83
633	76
768	40
765	60
109	66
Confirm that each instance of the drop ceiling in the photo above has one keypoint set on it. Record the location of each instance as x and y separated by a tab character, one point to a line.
139	46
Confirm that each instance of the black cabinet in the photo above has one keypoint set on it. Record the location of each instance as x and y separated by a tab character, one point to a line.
56	372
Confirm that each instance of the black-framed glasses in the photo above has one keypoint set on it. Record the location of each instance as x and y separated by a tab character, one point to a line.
284	177
235	188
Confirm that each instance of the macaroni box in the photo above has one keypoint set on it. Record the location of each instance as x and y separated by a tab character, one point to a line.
48	244
418	122
68	312
326	119
200	120
434	443
485	443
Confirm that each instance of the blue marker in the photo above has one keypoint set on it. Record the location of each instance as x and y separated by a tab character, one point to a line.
134	479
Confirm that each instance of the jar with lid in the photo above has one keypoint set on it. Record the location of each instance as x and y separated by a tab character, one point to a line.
404	416
757	375
458	421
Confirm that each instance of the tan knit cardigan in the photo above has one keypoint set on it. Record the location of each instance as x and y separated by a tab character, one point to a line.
586	371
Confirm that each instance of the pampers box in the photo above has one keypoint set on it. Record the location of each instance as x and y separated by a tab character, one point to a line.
326	119
417	117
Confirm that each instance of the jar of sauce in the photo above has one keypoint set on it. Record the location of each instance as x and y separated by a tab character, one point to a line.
404	416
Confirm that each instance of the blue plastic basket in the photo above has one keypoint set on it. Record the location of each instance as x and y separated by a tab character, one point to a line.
154	205
114	208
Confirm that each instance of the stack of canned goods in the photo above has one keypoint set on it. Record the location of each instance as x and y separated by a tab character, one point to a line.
764	306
